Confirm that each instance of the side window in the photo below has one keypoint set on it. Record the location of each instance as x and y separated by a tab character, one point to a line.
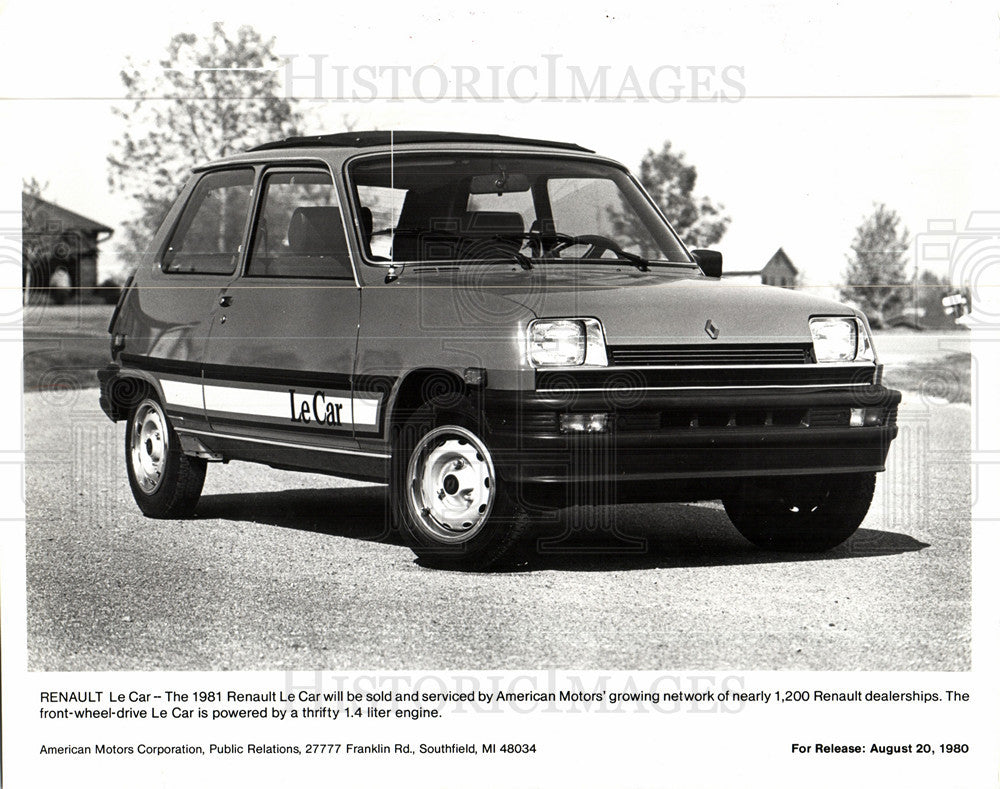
299	231
208	235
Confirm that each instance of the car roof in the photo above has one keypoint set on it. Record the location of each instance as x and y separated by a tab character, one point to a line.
371	139
336	149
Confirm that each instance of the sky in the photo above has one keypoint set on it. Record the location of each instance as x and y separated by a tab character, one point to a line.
828	108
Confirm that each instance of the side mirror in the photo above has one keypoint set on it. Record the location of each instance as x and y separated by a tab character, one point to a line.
710	261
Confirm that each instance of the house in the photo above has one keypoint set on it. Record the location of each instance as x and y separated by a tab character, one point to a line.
59	251
779	271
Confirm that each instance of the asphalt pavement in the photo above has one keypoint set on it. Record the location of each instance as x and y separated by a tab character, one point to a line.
280	570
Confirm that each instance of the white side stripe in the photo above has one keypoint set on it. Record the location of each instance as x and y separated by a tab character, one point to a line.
182	393
252	402
365	412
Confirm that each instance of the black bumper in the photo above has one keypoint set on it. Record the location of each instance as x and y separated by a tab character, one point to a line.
695	440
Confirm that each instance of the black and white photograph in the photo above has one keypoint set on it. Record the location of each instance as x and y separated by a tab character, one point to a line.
446	393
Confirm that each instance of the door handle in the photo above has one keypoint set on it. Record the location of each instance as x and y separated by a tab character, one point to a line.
225	301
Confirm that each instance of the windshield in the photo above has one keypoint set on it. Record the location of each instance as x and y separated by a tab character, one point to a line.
471	207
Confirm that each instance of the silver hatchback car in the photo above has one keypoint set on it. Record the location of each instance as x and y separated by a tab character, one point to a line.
490	325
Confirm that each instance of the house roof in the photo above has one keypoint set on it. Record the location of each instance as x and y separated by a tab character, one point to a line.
368	139
781	257
62	218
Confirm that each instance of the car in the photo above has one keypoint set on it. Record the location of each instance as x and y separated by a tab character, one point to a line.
494	327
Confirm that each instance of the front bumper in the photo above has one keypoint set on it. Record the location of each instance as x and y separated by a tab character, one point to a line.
696	438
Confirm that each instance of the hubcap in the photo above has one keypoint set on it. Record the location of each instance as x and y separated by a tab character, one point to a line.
148	445
451	484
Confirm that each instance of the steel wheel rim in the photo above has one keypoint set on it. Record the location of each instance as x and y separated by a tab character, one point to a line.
451	484
149	445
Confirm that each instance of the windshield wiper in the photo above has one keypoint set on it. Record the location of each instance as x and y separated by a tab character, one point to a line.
522	260
637	260
564	241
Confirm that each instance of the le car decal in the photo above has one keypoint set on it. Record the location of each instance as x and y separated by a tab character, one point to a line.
290	405
319	408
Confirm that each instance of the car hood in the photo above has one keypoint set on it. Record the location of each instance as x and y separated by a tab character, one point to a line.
638	309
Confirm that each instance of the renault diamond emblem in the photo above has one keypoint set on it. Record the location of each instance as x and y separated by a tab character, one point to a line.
711	329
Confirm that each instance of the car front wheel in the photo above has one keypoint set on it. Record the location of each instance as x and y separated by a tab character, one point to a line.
448	498
801	514
165	482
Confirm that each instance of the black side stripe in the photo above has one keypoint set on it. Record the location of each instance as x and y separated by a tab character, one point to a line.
154	365
240	373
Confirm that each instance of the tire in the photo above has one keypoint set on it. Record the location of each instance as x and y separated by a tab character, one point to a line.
450	505
165	482
801	514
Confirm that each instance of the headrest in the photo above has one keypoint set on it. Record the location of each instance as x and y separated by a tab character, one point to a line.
490	222
367	222
316	230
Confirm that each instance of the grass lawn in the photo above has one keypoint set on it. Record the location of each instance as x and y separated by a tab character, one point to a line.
948	377
65	346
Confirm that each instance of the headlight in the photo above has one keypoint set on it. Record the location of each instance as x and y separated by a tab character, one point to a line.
566	342
841	340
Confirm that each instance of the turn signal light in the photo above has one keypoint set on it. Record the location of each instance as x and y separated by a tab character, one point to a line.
866	417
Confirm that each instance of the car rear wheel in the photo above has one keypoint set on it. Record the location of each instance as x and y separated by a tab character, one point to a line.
452	506
165	482
801	514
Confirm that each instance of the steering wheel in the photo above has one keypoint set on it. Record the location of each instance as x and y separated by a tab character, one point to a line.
597	245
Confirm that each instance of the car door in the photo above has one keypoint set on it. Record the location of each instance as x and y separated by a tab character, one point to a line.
281	346
200	247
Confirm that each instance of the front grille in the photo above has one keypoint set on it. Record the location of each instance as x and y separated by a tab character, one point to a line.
687	355
633	382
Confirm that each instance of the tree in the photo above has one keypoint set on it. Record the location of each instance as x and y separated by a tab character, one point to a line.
876	278
670	181
930	291
207	98
36	244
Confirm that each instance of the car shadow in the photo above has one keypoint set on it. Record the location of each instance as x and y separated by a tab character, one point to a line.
677	537
359	513
598	539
